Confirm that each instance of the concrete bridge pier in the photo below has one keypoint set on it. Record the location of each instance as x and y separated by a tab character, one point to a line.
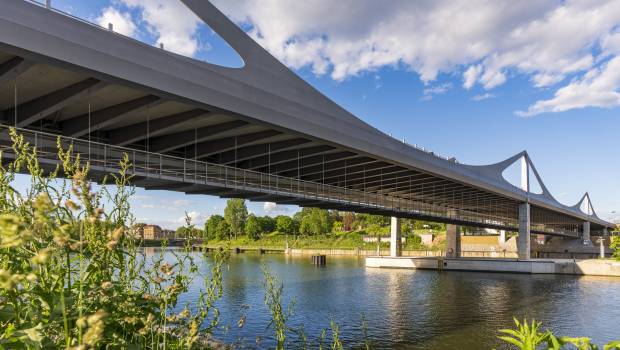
502	238
395	238
523	243
453	241
602	243
585	236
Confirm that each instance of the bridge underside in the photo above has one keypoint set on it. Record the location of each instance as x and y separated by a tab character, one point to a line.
154	171
176	143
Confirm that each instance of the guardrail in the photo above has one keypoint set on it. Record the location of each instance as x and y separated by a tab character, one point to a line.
106	158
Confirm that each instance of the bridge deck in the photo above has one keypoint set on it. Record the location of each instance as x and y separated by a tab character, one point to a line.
159	171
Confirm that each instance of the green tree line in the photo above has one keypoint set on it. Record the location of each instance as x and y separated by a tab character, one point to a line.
237	221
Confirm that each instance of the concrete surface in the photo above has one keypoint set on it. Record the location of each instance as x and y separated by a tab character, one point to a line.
593	267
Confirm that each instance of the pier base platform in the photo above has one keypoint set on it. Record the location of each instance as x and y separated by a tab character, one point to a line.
531	266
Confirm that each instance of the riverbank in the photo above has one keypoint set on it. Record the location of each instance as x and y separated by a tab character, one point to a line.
352	252
339	241
352	243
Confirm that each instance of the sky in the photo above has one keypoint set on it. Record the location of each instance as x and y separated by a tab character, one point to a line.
480	80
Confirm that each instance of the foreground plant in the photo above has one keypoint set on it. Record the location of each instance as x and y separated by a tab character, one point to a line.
273	300
527	336
280	316
72	274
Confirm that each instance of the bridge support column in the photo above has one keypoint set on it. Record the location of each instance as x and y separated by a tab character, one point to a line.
585	236
502	239
453	241
602	243
395	238
523	244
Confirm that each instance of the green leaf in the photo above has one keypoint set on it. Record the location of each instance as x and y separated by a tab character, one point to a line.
512	341
613	345
34	333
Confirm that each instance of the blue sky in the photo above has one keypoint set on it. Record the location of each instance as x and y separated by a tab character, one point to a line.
480	81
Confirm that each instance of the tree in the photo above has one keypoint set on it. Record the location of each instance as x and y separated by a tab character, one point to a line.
267	224
252	227
420	224
211	227
337	226
188	232
407	226
366	220
348	220
334	215
235	214
285	224
301	214
182	232
223	230
316	221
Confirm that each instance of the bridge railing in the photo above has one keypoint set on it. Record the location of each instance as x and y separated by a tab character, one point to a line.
106	158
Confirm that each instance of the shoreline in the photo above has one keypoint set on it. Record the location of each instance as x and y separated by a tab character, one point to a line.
386	252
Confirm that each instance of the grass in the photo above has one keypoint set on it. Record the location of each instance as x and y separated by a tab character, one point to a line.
339	240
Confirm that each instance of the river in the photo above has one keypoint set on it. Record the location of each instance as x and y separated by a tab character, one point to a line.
407	309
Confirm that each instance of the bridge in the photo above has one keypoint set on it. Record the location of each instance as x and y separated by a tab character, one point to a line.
257	132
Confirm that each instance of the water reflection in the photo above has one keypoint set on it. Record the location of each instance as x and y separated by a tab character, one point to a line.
408	309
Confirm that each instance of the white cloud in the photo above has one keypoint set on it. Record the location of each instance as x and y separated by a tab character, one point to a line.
597	88
173	24
471	76
273	208
121	21
142	197
440	89
492	78
484	40
610	44
197	218
547	79
351	37
482	97
181	203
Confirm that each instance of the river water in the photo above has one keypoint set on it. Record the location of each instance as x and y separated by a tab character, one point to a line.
407	309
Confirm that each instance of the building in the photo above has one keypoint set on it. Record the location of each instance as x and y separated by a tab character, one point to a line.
151	232
155	232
